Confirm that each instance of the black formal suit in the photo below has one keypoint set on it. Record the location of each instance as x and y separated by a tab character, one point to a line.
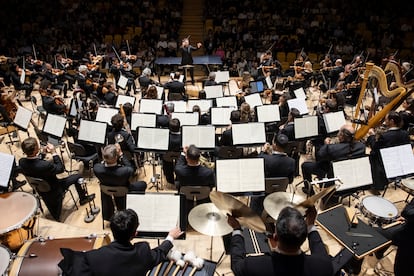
174	145
193	175
317	264
115	259
391	138
289	131
175	87
128	141
226	138
117	175
50	105
39	168
144	82
87	88
278	165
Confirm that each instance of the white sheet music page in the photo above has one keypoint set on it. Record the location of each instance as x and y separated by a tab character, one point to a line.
204	105
122	82
306	127
153	138
240	175
248	133
213	91
229	101
353	173
220	116
200	136
123	99
143	120
91	131
179	106
22	117
300	93
334	121
7	162
222	76
186	119
150	106
268	113
398	161
105	114
73	110
54	125
157	212
253	100
300	104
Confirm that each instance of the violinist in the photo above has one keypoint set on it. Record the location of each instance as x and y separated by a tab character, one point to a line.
54	75
107	93
126	70
335	71
84	82
36	67
64	64
18	82
268	66
145	80
51	102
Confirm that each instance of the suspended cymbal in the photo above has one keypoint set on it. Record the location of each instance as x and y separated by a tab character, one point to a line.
231	205
312	200
208	220
275	202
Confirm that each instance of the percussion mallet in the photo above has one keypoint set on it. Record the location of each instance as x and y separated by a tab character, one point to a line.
173	256
197	264
188	258
180	263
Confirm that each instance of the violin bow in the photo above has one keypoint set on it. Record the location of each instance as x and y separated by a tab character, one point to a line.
116	53
129	50
34	52
94	49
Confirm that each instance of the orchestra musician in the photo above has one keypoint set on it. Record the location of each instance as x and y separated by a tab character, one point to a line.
287	257
186	56
145	80
17	81
84	82
176	88
54	75
126	71
227	136
174	145
51	102
64	64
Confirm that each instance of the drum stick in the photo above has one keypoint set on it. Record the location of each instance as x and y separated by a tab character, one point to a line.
395	223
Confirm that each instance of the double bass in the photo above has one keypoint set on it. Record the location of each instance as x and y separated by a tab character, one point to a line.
8	101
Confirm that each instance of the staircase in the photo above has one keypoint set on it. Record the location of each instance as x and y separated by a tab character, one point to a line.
193	23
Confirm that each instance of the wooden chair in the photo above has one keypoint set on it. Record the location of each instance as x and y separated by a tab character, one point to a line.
195	193
276	184
113	192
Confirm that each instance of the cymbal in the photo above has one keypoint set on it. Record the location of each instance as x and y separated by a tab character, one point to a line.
231	205
208	220
312	200
275	202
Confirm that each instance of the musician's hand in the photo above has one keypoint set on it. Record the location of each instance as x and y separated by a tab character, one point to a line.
199	45
233	222
50	148
185	148
371	131
311	216
327	140
118	150
175	233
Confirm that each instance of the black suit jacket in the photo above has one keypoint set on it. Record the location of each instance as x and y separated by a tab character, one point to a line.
175	86
115	259
128	142
289	131
193	175
317	264
278	165
226	138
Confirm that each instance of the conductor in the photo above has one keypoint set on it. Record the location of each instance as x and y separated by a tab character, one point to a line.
186	56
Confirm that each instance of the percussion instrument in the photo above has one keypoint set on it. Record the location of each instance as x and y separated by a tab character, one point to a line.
207	219
41	257
230	205
5	258
17	211
408	185
378	210
275	202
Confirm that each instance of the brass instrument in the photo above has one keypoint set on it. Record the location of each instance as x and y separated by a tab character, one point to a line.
398	94
206	163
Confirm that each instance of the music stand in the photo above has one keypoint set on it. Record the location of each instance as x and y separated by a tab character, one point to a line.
202	137
93	132
54	126
186	118
228	101
22	120
205	105
306	127
122	99
249	134
105	114
220	116
7	163
143	120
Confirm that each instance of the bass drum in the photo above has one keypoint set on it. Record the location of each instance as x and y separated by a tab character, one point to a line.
39	257
5	259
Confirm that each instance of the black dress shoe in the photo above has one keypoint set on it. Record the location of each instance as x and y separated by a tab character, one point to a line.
86	199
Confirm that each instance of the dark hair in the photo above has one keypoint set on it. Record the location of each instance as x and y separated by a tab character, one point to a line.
395	116
29	145
193	153
291	228
127	108
174	125
152	93
294	112
117	122
235	116
124	224
280	140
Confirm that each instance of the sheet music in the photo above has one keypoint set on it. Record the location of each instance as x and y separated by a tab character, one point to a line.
229	101
300	104
186	119
222	76
214	91
150	106
253	100
105	114
300	93
248	133
204	105
306	127
269	82
91	131
153	138
122	82
7	162
398	161
54	125
268	113
200	136
240	175
150	207
73	110
334	121
220	116
179	106
143	120
353	173
123	99
22	117
234	88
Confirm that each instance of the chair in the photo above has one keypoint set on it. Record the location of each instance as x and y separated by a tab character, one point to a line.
229	152
113	192
175	97
195	193
38	109
78	152
276	184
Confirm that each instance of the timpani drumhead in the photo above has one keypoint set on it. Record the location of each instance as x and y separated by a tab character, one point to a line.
408	183
16	208
380	207
5	257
